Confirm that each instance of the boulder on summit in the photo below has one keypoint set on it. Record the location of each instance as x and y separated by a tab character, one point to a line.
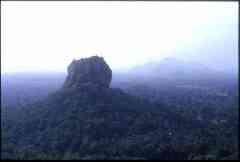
93	70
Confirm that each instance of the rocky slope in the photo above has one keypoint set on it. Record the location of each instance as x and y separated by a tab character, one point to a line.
93	70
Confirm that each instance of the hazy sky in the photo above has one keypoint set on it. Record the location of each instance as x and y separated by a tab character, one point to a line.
46	36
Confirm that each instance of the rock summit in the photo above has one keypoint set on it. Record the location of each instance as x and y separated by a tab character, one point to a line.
88	71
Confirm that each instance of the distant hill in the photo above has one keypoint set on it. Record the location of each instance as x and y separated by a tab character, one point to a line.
174	71
172	68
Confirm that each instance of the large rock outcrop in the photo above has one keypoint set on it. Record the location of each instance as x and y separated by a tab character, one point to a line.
88	71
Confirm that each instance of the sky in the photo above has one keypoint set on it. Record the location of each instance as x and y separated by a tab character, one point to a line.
46	36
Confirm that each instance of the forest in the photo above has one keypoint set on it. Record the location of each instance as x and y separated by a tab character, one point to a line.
167	114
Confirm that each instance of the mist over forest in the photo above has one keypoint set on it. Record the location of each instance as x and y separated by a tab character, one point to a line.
170	72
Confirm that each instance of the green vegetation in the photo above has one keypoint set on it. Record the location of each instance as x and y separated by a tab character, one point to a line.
90	123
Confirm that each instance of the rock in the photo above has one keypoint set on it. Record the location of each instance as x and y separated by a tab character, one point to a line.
88	71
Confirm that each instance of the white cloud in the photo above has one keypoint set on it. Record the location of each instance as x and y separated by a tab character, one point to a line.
38	36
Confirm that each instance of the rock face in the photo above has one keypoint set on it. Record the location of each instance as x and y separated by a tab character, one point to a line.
88	71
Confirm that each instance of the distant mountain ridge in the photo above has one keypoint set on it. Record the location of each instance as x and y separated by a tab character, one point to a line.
174	69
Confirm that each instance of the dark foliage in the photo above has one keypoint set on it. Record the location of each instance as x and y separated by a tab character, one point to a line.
145	120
